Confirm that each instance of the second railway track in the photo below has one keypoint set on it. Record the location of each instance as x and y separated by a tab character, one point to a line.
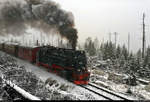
108	95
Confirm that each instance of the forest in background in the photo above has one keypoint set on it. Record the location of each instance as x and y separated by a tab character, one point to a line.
119	58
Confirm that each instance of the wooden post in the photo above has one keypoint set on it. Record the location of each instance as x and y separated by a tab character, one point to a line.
143	41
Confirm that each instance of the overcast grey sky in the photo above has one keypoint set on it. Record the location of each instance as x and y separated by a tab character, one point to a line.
96	18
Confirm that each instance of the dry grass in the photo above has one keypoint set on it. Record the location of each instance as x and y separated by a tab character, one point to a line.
102	85
147	87
99	72
115	78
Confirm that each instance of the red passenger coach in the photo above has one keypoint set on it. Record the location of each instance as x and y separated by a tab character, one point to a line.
28	53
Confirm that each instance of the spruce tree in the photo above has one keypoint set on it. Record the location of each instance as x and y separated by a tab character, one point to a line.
125	52
118	52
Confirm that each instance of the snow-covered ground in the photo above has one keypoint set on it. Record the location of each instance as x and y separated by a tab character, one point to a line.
102	78
61	89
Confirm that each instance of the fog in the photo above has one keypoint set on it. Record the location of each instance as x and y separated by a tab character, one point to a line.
96	18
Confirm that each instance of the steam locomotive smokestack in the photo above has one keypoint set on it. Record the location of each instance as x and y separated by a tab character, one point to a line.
37	43
17	15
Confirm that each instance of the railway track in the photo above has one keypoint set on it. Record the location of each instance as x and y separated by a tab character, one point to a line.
106	94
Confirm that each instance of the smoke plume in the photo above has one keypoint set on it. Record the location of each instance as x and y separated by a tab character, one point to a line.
17	15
